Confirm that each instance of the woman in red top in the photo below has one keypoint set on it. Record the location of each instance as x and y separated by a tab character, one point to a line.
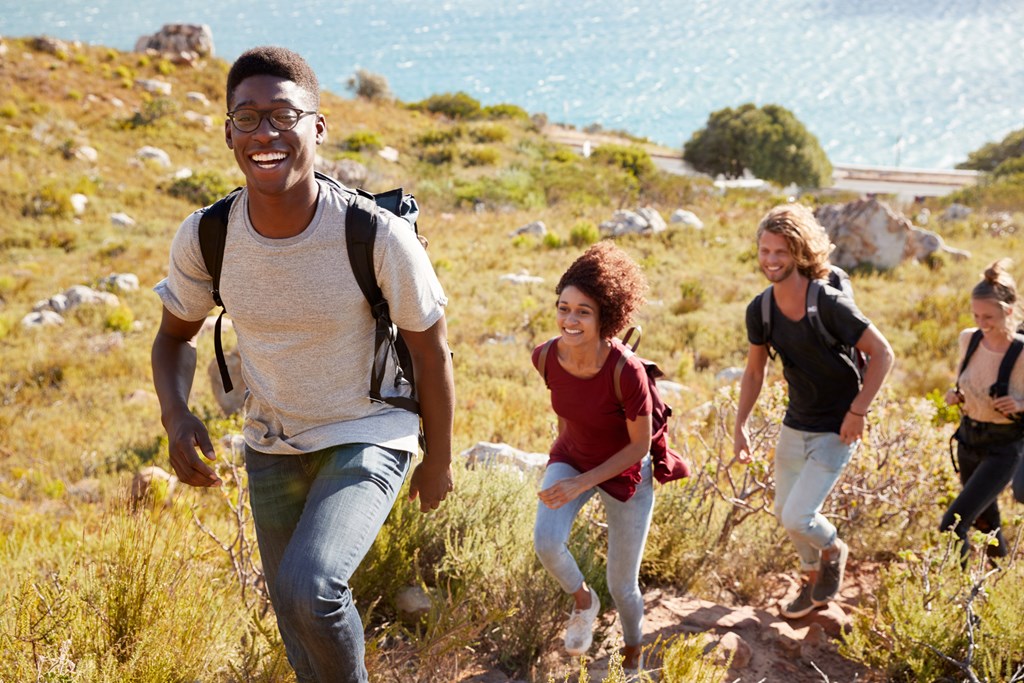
602	444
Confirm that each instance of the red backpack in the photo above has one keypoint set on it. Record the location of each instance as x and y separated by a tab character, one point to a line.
668	464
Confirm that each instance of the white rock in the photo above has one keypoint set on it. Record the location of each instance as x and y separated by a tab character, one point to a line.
58	303
687	218
522	278
41	319
155	153
182	173
412	603
154	86
87	153
389	154
956	212
78	203
117	102
669	387
124	282
80	295
121	220
203	120
536	228
197	97
503	456
729	375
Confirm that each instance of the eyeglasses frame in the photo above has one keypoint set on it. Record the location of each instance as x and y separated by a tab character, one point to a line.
264	114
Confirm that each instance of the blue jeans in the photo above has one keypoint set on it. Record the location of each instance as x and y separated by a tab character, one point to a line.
807	467
316	516
628	524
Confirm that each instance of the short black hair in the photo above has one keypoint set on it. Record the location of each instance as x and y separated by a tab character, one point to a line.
271	60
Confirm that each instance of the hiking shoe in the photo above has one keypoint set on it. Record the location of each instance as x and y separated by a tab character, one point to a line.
579	634
830	577
802	605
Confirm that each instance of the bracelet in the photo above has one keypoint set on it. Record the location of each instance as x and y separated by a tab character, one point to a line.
864	414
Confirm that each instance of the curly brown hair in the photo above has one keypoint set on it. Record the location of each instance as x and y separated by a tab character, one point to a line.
807	240
276	61
611	278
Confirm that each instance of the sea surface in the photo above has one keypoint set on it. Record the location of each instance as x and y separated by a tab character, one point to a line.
909	83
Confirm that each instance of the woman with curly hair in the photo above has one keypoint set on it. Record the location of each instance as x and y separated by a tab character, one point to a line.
602	444
990	436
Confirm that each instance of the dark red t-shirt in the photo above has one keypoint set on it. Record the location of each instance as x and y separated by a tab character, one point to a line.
595	421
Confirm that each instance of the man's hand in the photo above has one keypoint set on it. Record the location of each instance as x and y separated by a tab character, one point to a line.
432	484
741	446
188	436
852	428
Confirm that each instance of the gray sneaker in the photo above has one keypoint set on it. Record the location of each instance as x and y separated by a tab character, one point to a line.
830	578
802	605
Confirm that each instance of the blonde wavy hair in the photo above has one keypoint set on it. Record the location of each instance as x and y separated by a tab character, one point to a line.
997	284
807	240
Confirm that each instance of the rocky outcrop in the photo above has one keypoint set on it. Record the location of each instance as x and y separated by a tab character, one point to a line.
503	456
180	43
687	219
867	231
348	172
643	221
536	228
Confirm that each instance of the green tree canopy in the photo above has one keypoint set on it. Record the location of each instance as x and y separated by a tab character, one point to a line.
991	155
769	141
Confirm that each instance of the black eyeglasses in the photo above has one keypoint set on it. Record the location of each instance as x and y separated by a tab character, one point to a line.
282	118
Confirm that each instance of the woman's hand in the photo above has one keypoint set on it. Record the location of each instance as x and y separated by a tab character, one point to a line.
1007	405
954	397
564	491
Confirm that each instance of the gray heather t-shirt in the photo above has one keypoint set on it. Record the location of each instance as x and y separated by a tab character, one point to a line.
304	329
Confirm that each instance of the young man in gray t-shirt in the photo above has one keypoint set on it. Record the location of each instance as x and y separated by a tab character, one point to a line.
824	420
324	463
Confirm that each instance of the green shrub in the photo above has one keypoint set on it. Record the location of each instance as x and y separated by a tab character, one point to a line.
493	132
165	67
363	140
769	141
991	155
152	111
458	105
630	158
8	110
551	240
370	86
480	156
201	189
51	200
506	111
437	155
120	319
583	234
692	296
439	136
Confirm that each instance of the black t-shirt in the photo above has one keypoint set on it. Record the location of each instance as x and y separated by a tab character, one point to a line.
821	385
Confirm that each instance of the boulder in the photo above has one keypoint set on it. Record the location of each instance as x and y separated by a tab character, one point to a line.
198	98
121	220
956	212
78	203
155	153
87	153
536	228
204	120
86	490
732	645
687	219
230	403
152	85
644	221
348	172
122	282
503	456
412	604
729	375
80	295
49	45
521	278
176	40
41	319
868	231
144	480
388	154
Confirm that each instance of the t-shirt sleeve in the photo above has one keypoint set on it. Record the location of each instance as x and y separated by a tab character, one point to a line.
636	392
841	316
415	297
755	326
185	291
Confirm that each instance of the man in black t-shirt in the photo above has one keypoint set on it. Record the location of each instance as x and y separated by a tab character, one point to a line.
824	421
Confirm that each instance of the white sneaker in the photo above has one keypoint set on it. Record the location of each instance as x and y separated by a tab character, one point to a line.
579	634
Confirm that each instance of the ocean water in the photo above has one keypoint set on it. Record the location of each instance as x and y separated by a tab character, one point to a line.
909	83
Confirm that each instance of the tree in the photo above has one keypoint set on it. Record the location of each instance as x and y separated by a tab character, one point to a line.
991	155
370	86
769	142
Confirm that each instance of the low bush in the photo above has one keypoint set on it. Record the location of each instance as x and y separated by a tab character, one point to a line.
480	156
493	132
457	105
202	188
363	140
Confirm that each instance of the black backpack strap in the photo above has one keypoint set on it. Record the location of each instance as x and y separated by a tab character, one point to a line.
213	231
972	346
814	314
360	234
1002	385
542	361
766	320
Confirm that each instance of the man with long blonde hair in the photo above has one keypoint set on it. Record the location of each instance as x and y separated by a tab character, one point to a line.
828	400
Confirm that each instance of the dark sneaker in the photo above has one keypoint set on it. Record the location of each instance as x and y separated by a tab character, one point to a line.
802	605
830	577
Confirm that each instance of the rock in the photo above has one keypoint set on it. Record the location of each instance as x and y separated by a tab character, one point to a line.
87	153
41	319
733	645
816	636
152	85
141	397
121	220
210	324
155	153
687	218
50	45
122	282
786	639
503	456
230	403
116	102
144	479
536	228
182	174
57	303
669	387
85	490
80	295
643	221
388	154
188	41
833	620
233	443
729	375
78	203
105	343
867	231
412	604
198	98
956	212
348	171
522	278
203	120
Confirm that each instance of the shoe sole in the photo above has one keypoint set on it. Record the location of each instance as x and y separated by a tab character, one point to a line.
800	614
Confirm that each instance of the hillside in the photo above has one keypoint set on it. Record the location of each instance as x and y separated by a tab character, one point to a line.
96	586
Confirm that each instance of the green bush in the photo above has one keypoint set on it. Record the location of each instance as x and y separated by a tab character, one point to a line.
480	156
630	158
201	189
490	132
120	319
152	111
768	141
370	86
363	140
439	136
437	155
506	111
583	234
692	296
458	105
50	200
992	154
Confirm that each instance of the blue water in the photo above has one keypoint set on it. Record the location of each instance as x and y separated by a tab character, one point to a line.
913	83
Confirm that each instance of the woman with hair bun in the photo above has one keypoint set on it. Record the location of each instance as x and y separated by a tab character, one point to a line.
602	445
990	438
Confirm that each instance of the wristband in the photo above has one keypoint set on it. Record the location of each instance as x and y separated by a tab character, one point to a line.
864	414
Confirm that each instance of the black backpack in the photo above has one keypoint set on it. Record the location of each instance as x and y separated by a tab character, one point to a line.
360	232
1002	385
837	278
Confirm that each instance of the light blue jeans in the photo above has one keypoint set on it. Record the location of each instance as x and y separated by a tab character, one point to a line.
316	516
807	467
628	524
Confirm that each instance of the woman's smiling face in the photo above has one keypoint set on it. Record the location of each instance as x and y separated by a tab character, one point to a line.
578	317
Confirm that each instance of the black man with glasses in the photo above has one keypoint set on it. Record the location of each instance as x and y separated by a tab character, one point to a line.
324	463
